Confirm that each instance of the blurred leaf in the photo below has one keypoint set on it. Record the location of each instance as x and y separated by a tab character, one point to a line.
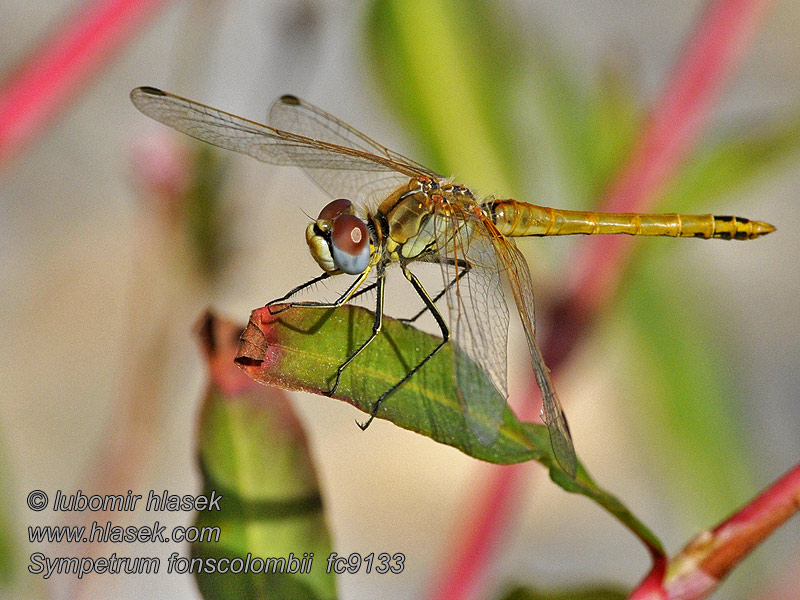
435	71
693	397
252	450
300	349
574	139
201	209
584	593
731	164
9	555
499	110
581	139
611	126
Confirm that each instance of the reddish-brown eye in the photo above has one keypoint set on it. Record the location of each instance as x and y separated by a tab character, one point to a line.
336	208
350	244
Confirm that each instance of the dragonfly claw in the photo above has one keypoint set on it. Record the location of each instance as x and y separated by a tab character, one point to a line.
277	311
334	387
363	426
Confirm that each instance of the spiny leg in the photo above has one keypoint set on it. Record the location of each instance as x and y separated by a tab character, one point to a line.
363	291
429	304
293	291
462	264
376	329
360	292
465	268
347	295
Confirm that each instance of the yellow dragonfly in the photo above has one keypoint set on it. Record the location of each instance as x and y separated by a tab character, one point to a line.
393	210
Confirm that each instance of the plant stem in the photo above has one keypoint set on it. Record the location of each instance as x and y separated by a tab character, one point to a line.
53	73
708	558
460	574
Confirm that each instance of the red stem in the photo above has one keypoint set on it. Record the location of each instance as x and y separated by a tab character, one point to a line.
651	587
699	568
63	63
675	123
461	573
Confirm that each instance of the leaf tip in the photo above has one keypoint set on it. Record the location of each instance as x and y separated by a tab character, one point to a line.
258	344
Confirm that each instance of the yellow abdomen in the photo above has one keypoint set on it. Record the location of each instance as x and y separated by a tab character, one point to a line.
518	219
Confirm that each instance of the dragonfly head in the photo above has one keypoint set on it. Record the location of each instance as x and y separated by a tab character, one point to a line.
339	240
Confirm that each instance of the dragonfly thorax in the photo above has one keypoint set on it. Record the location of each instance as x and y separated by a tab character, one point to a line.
338	240
420	217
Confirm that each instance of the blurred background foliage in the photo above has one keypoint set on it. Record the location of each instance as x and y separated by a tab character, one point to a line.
680	399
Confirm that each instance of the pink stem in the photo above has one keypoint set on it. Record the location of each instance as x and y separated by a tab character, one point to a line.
64	61
706	63
460	574
652	586
707	559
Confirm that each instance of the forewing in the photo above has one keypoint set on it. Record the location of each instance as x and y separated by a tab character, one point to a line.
291	113
516	268
275	146
479	323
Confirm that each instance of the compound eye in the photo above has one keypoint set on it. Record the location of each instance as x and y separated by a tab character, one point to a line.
332	210
350	244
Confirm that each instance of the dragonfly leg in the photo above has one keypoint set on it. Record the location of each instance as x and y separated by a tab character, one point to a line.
465	268
429	305
376	329
293	291
363	291
345	297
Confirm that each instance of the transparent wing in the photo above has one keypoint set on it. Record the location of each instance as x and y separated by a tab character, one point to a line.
275	146
516	269
290	113
478	321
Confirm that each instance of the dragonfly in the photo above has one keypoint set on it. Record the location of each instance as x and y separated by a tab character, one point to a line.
391	210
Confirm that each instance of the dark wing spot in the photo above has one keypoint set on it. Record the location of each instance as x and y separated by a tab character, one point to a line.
290	99
152	91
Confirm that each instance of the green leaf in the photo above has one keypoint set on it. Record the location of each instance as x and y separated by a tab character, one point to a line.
252	451
301	348
585	486
583	593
